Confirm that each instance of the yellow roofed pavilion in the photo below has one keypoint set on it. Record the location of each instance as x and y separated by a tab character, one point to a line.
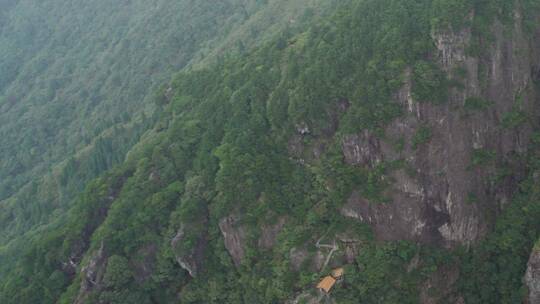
326	284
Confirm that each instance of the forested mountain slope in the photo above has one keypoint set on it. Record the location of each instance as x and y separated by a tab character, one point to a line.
397	139
77	80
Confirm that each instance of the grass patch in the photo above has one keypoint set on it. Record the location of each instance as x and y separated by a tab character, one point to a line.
482	157
422	136
476	104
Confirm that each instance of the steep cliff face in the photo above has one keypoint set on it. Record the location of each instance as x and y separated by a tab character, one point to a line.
234	236
236	239
92	275
532	278
192	260
457	153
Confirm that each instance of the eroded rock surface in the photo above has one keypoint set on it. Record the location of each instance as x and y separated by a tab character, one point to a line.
444	197
191	260
269	234
92	274
532	278
234	236
361	149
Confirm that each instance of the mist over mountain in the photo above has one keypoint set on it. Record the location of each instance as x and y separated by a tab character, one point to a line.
269	151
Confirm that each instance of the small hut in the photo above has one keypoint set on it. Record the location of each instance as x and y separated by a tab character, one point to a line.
326	284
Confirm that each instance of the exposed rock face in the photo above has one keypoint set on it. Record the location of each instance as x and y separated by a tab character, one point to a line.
192	260
302	128
394	221
92	274
234	236
168	94
361	149
452	46
532	278
269	234
350	246
303	152
444	198
80	245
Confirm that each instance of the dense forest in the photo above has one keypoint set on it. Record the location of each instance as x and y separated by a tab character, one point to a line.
197	152
78	80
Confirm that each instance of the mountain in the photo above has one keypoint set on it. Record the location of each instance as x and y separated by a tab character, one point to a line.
398	140
78	79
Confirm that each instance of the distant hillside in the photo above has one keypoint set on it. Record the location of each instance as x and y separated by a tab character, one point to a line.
395	140
78	79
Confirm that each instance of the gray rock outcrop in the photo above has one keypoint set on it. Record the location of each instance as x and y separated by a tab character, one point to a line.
532	278
234	236
442	197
